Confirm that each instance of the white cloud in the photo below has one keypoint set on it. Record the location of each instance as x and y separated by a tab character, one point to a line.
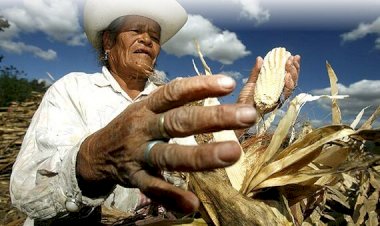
223	46
317	123
233	74
20	47
253	10
361	94
59	20
159	77
227	10
363	30
48	82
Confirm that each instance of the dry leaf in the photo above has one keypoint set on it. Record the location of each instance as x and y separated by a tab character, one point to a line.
336	115
369	122
358	118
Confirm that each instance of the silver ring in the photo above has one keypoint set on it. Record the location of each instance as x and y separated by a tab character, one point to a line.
161	127
148	150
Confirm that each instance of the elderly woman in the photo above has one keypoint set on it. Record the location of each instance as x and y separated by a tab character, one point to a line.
97	138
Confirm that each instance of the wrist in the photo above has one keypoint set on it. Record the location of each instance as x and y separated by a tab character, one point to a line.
91	173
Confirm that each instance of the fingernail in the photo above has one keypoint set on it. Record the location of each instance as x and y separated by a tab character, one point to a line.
246	115
226	82
229	153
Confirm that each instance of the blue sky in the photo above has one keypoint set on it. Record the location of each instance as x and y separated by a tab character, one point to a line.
47	36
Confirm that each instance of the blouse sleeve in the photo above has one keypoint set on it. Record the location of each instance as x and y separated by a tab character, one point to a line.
43	180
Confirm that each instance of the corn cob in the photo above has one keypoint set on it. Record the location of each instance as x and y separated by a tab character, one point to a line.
271	80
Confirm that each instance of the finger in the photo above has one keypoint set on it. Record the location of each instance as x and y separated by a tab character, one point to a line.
290	83
287	92
289	86
256	70
292	67
186	121
174	157
297	61
246	94
183	91
297	65
291	78
171	197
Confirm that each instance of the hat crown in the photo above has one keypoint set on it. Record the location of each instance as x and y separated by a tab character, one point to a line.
99	14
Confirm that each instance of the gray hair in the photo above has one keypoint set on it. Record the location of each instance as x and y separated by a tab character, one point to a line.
113	29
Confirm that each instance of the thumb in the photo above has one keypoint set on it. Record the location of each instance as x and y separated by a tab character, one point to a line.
246	94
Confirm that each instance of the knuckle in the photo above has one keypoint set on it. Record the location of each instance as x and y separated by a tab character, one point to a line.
179	121
220	113
170	93
174	91
198	159
160	157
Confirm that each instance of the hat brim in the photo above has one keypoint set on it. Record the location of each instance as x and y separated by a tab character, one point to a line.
98	14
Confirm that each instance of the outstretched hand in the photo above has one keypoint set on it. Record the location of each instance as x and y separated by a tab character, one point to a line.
117	154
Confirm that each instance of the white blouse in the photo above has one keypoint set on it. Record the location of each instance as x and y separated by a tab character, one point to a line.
43	180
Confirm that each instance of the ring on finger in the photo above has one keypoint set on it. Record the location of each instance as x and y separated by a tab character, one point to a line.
148	150
161	127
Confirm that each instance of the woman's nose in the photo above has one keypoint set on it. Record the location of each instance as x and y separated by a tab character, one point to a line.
145	39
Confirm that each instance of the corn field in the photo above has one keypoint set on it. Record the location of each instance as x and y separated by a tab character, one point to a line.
317	176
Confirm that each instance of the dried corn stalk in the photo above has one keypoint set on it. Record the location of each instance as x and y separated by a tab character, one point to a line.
271	80
300	181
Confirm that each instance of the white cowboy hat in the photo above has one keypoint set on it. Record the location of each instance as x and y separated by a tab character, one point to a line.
98	14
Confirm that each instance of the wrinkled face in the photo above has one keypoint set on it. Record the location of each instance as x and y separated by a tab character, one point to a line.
136	47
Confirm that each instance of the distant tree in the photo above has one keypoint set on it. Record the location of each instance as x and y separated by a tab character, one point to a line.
15	87
13	84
